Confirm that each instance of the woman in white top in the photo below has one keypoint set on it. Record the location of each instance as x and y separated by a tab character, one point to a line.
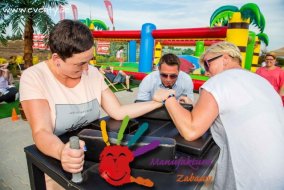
245	115
64	93
8	92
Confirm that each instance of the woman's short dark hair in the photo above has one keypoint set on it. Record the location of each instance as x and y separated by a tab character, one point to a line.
70	37
169	59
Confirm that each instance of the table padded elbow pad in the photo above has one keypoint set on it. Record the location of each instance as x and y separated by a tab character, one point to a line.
165	150
162	112
114	125
197	147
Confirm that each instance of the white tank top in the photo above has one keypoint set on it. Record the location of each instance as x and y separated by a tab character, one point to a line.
249	131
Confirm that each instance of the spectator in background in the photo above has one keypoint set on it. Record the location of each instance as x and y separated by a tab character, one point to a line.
168	76
8	92
121	77
272	73
119	55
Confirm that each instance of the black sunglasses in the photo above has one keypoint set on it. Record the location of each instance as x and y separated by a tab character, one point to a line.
206	62
172	76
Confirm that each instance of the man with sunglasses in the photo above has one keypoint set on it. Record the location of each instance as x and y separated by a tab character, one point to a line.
272	73
168	76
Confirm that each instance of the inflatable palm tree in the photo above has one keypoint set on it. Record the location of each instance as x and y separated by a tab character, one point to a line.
238	21
94	24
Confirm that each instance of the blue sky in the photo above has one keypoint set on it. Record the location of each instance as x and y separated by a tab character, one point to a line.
168	14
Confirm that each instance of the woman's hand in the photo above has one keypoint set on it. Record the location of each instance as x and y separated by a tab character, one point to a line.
162	94
72	160
185	100
4	66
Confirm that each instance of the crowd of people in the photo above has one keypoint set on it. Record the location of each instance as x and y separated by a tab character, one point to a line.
242	110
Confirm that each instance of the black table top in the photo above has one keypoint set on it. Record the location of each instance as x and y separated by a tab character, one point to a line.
178	179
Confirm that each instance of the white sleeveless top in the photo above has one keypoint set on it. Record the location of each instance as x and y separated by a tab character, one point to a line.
249	131
70	108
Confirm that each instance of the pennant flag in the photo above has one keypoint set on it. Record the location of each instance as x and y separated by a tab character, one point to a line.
75	11
109	10
61	12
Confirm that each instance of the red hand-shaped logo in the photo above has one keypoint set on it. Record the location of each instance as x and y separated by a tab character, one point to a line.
114	160
114	164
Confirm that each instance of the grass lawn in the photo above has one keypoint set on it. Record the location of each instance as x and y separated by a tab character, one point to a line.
6	109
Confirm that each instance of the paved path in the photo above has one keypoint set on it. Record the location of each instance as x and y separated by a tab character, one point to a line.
14	136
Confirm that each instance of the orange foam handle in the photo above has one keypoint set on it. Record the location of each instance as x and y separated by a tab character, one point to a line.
142	181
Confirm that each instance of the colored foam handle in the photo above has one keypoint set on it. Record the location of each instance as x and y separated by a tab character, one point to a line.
146	148
74	144
122	129
138	134
104	132
142	181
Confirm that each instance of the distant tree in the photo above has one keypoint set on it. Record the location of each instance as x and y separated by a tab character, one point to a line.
280	61
187	51
27	14
14	37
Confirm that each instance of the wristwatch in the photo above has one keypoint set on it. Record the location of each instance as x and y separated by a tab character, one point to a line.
164	101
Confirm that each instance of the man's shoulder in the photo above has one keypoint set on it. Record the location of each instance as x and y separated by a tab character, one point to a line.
184	76
152	75
151	79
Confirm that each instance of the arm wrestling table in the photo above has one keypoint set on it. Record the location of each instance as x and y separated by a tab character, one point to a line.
38	164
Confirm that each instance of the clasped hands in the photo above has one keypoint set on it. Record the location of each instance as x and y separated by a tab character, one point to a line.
162	94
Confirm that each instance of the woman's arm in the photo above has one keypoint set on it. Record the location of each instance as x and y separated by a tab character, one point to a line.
37	113
191	125
112	106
